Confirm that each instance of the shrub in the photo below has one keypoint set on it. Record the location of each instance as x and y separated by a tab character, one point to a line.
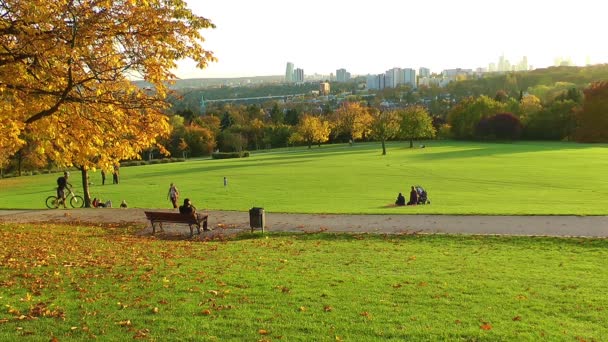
228	155
502	126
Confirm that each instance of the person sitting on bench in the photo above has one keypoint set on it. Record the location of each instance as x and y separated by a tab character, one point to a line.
189	209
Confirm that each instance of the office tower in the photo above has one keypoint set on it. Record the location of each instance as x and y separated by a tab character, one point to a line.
289	73
342	75
394	77
408	77
298	75
424	72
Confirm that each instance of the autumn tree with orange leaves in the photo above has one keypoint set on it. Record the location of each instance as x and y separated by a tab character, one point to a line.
66	69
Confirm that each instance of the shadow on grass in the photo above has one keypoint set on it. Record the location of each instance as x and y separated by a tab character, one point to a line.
539	242
474	150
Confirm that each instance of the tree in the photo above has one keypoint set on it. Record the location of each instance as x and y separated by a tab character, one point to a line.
465	115
556	121
592	120
352	119
528	107
502	126
416	123
199	141
311	129
65	70
385	125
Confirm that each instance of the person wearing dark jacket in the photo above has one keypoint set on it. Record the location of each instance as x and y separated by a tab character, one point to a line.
188	209
413	197
400	200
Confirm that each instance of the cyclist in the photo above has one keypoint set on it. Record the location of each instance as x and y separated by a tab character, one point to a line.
62	183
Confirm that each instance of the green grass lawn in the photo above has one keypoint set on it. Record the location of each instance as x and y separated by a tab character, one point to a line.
460	177
79	283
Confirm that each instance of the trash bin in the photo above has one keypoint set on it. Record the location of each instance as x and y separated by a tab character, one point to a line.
257	218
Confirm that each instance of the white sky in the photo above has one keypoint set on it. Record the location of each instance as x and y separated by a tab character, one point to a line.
255	38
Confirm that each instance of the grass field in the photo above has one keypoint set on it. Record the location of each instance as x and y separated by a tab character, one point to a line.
80	283
461	178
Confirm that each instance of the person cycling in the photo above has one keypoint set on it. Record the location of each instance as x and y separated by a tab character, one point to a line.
62	183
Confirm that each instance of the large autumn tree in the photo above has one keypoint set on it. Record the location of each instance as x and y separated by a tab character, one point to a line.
352	119
592	120
311	129
66	69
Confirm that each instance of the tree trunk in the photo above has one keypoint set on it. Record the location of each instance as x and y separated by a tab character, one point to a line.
85	187
411	143
383	148
19	160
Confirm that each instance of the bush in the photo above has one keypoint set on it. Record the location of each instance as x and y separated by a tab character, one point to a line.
502	126
228	155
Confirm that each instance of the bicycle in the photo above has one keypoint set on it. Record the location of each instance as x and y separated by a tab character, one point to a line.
76	201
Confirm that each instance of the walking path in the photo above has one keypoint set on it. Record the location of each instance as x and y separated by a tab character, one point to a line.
590	226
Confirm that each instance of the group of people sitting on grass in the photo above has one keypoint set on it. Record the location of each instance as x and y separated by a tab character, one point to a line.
413	198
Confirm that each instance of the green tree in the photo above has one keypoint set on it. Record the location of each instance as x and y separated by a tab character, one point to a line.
416	123
385	126
463	118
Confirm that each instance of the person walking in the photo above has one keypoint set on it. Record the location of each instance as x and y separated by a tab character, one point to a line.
115	175
62	184
103	177
173	195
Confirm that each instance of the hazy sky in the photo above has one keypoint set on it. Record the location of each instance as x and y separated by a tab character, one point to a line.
256	38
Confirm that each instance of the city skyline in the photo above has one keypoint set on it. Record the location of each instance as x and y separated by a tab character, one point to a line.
257	39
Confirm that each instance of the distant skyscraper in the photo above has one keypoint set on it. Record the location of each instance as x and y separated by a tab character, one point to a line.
376	81
409	77
424	72
289	73
342	75
393	77
298	75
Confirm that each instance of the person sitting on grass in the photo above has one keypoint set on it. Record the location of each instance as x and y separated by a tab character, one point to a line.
413	197
400	200
188	209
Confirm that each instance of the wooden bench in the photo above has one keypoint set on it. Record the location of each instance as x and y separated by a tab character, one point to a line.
159	217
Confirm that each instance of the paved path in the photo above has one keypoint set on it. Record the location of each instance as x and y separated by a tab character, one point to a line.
592	226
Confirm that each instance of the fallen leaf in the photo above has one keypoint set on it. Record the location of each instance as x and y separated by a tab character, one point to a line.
262	332
124	323
517	318
486	326
327	308
206	312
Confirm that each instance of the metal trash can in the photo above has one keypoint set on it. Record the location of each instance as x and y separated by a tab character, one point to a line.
257	218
